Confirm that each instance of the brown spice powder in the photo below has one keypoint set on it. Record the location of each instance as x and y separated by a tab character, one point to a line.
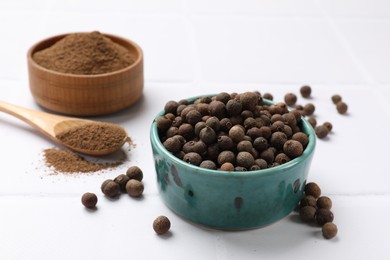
68	162
85	54
95	136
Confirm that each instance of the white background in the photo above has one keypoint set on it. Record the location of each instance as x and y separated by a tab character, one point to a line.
193	48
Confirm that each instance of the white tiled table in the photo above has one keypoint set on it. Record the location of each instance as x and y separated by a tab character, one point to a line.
192	48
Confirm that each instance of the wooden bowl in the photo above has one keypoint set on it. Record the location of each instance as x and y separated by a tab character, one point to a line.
86	95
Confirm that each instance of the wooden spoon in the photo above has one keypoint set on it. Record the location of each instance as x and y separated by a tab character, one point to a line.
51	125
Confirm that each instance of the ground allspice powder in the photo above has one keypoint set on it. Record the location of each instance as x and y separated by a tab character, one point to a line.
84	54
95	136
68	162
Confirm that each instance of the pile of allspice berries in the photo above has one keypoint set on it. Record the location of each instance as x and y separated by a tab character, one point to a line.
314	208
130	183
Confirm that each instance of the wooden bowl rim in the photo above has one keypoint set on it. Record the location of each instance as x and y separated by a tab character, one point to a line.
58	37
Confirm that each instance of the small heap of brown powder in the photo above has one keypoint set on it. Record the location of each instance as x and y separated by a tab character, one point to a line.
85	54
68	162
96	136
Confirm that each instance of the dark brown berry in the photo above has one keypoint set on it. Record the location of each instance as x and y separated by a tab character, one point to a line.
187	131
134	188
321	131
292	148
193	158
214	123
163	123
329	230
208	135
208	164
245	159
244	146
290	99
312	189
218	109
172	144
134	172
328	125
305	91
323	216
223	97
122	179
193	117
281	158
301	137
249	100
336	99
324	202
161	225
110	188
226	156
341	107
225	124
89	200
308	200
261	163
171	107
307	213
199	126
260	144
308	109
195	146
278	139
237	133
172	131
268	96
268	155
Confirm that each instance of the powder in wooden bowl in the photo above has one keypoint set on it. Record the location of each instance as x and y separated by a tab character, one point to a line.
93	136
68	162
84	54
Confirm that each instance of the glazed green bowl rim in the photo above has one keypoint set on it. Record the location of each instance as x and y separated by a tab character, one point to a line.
283	168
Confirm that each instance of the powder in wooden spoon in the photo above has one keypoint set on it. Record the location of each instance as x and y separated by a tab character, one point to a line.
84	54
93	136
68	162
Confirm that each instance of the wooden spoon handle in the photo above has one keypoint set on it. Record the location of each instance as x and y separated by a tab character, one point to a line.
42	121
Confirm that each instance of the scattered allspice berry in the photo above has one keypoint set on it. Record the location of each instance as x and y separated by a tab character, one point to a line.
323	216
312	189
134	188
161	225
134	172
89	200
324	202
305	91
290	99
336	98
307	213
110	188
341	107
122	179
321	131
329	230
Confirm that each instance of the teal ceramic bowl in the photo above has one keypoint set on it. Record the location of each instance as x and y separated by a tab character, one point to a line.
231	200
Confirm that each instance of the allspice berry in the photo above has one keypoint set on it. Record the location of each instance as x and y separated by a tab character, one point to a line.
122	179
89	200
134	172
134	188
245	159
329	230
290	99
324	202
336	98
305	91
307	213
323	216
308	109
110	188
237	133
161	225
341	107
312	189
227	167
292	148
321	131
308	200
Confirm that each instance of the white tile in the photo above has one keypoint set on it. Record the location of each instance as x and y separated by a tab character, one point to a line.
257	7
271	50
23	5
369	41
357	8
122	6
